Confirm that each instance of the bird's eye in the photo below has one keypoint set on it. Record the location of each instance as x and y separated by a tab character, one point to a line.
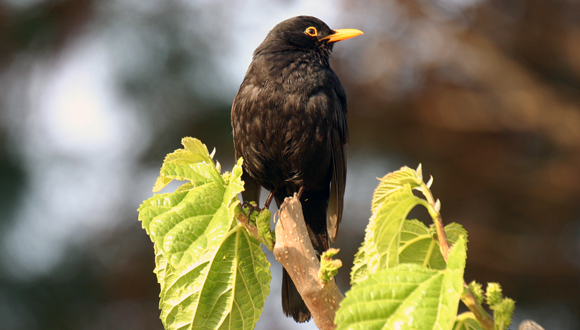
311	31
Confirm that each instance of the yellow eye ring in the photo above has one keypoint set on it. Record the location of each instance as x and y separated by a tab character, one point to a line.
311	31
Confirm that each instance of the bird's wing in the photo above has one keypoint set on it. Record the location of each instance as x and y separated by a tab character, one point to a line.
338	138
336	201
251	187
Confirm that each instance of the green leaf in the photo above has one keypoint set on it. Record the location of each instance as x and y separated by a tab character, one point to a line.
212	274
393	182
454	231
466	321
360	269
380	248
408	296
194	163
328	266
418	246
226	291
387	226
456	264
203	200
159	204
160	267
392	187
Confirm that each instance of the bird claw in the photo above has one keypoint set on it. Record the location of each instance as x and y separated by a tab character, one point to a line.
252	210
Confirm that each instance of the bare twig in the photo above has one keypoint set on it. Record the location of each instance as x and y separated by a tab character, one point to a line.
294	251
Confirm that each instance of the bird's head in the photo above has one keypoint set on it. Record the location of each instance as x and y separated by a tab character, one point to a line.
303	33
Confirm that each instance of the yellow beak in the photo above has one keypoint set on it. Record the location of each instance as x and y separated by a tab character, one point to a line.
342	34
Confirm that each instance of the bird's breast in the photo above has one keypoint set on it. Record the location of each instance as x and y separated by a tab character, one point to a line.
283	134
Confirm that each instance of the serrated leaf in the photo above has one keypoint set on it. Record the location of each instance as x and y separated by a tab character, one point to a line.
202	200
418	246
457	256
359	270
454	231
408	296
160	266
195	146
193	163
380	248
227	291
188	156
393	182
235	183
160	183
197	173
159	204
385	228
211	272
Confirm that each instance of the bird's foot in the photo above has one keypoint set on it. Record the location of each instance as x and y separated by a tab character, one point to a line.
252	211
257	222
269	199
299	194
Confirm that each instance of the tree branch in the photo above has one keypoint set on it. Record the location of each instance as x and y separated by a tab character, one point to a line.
294	251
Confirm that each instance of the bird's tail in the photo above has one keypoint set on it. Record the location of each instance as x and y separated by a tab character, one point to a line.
292	302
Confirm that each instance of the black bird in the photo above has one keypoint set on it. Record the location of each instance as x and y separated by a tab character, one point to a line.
289	125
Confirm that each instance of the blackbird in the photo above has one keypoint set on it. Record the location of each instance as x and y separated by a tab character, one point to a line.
289	124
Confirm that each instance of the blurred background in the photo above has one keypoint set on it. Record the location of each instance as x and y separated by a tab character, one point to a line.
93	94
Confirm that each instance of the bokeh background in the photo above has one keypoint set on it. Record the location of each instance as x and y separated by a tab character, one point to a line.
484	93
